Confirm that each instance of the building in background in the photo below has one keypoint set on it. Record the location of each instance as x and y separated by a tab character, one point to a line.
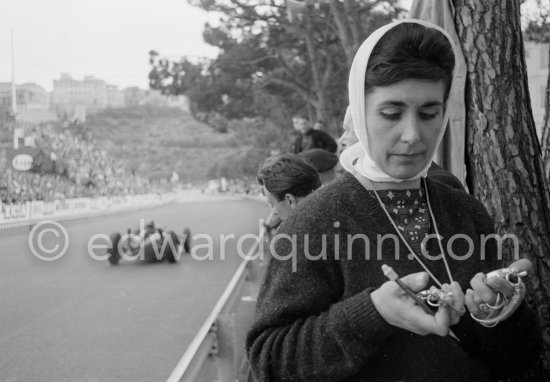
133	95
91	93
28	96
33	102
115	98
536	57
34	96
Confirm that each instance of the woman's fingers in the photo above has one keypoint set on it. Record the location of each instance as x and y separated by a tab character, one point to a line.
472	301
499	284
422	323
425	323
415	281
523	265
482	290
401	310
454	302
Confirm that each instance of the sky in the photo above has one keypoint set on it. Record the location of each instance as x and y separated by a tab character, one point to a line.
107	39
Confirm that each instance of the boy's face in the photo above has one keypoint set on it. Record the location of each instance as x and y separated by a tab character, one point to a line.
300	124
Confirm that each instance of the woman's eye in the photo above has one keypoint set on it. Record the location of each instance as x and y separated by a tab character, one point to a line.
391	116
428	116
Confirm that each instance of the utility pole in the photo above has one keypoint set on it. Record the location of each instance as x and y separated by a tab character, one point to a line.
13	116
13	91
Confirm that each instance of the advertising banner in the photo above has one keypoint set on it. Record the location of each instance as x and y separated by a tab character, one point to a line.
49	208
94	205
62	207
37	208
81	205
16	210
103	203
22	159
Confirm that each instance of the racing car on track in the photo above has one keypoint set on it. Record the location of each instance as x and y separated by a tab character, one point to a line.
149	244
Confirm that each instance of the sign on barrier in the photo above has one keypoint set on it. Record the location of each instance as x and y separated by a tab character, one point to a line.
49	208
6	211
80	206
16	210
62	206
94	204
103	203
37	208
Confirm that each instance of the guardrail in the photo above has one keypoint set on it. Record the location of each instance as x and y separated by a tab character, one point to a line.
20	214
217	353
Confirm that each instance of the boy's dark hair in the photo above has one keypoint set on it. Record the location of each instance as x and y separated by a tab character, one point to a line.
300	116
288	174
410	51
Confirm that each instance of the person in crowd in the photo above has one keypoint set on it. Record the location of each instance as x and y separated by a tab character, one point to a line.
307	138
320	125
330	308
285	181
323	162
299	122
318	139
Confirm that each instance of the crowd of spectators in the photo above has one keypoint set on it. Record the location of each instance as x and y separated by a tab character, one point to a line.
68	165
18	187
243	186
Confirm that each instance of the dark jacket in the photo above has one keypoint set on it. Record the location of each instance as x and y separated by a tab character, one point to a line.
438	173
316	322
318	139
296	144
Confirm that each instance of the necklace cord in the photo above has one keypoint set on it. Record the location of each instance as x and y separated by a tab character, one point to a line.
437	232
413	253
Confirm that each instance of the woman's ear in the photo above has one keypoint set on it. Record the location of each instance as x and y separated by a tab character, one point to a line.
291	200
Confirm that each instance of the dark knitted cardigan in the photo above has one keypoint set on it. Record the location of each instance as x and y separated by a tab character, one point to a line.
315	320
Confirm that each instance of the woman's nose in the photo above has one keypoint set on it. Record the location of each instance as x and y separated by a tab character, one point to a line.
410	129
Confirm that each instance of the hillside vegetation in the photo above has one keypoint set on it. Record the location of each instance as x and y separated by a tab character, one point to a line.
154	141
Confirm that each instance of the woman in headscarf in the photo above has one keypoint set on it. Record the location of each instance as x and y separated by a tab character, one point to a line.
435	171
326	311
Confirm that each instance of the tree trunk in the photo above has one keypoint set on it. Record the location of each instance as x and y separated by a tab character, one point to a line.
504	164
350	29
321	71
545	138
344	29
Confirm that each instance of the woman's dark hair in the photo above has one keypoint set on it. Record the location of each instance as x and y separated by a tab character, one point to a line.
288	174
410	51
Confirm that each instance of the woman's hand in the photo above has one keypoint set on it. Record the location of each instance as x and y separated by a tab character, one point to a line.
401	310
489	295
454	302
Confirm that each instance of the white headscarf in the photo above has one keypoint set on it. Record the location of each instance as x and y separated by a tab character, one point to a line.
356	158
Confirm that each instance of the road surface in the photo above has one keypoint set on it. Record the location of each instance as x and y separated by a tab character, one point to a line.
80	319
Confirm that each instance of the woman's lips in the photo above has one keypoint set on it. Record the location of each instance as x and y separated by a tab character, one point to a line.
407	154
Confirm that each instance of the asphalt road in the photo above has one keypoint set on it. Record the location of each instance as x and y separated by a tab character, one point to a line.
80	319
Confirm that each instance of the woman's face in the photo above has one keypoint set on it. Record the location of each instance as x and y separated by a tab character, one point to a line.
403	123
